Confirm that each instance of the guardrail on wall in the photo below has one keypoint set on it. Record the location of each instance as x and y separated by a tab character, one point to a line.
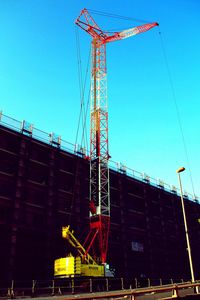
78	288
55	140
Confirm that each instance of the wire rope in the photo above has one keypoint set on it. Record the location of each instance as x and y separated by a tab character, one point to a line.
81	119
176	108
79	79
82	85
84	138
116	16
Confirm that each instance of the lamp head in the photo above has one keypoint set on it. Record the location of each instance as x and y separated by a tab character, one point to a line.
180	170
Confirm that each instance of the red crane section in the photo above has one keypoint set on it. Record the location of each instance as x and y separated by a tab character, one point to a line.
97	238
129	32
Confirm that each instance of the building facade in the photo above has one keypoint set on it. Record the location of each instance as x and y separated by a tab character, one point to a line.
44	186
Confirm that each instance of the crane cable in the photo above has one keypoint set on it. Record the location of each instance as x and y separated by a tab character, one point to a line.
116	16
82	118
176	108
83	111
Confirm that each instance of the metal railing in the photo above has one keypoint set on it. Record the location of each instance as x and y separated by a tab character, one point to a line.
55	140
94	288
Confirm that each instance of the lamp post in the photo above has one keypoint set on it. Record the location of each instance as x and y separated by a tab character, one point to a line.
185	224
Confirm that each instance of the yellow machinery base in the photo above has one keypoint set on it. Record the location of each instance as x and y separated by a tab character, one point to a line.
71	266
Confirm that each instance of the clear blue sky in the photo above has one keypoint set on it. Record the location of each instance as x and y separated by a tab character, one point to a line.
39	78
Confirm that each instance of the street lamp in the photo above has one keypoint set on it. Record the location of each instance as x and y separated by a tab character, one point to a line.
185	224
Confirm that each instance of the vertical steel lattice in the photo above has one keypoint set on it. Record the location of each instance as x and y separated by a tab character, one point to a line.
99	155
99	172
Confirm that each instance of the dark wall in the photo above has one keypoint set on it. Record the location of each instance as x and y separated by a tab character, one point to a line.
148	230
43	188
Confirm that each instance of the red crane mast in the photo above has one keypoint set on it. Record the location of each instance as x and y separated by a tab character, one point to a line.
99	152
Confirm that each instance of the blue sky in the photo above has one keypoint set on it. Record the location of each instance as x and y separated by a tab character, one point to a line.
39	78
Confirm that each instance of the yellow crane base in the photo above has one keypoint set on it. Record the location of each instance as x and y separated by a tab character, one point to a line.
71	266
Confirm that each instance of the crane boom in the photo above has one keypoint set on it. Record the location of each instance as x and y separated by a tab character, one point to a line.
130	32
68	234
99	152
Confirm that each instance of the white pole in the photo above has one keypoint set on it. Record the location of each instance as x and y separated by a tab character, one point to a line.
185	224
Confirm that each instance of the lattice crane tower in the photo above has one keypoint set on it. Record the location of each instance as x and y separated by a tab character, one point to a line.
99	154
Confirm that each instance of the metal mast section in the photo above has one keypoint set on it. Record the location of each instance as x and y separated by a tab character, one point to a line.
99	154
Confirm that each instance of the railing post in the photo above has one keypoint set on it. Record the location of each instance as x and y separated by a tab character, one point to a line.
132	296
197	289
136	283
90	285
175	292
33	288
53	288
11	290
72	284
149	282
59	291
107	286
122	283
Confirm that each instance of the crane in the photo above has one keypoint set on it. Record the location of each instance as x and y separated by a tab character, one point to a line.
99	152
99	201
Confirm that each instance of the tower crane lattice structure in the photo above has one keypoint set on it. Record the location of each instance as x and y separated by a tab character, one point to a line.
99	150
